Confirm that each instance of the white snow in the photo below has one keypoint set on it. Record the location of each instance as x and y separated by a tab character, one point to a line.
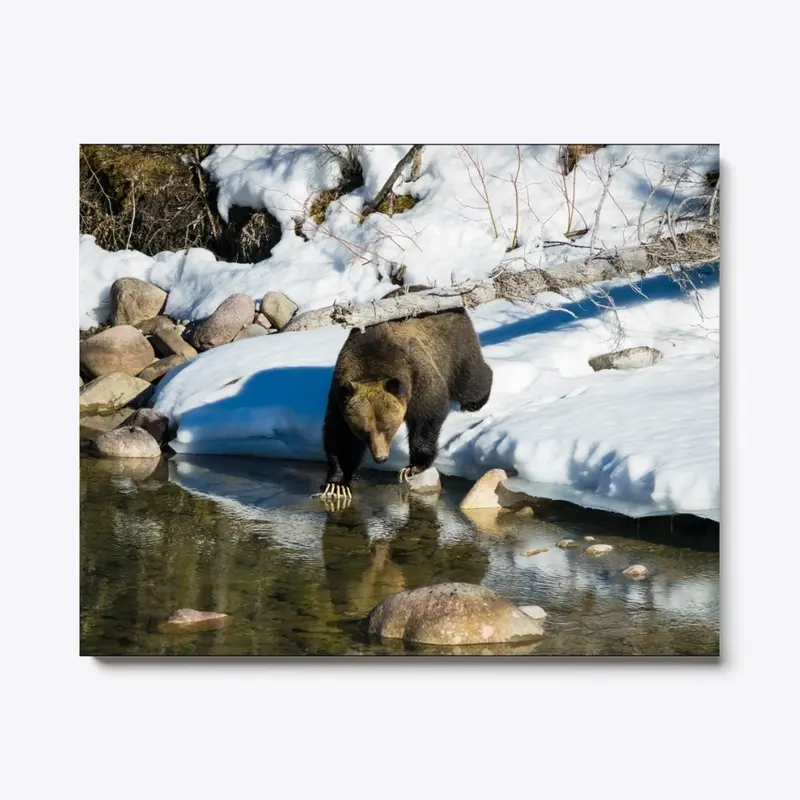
447	235
640	442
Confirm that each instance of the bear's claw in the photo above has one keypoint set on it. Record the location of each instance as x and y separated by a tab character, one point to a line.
407	473
335	495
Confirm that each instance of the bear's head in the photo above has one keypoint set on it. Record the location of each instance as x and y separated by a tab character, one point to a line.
374	410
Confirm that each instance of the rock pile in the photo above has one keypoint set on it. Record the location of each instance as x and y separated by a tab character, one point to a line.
121	364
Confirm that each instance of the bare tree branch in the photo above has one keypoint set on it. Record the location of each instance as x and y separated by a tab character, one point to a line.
373	204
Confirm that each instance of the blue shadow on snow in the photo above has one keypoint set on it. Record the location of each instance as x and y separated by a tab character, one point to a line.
655	287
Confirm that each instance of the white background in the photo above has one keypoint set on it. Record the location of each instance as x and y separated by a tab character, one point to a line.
619	72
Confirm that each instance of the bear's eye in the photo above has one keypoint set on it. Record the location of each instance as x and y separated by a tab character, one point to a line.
347	390
394	386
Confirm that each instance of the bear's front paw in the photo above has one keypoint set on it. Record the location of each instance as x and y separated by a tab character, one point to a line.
407	473
335	495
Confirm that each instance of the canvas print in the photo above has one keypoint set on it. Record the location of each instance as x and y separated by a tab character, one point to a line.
399	400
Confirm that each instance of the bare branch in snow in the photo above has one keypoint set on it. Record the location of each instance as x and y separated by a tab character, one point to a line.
133	217
612	171
483	192
373	204
653	190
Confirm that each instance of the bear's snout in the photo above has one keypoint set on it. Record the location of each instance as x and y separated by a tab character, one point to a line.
379	448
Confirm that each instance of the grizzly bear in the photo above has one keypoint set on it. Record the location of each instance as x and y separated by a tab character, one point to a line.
406	370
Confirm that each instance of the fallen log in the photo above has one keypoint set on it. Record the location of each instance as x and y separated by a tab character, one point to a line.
511	285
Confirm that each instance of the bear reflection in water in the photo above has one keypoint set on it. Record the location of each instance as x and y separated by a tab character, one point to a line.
360	571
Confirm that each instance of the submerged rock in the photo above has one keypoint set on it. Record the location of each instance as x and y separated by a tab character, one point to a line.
534	612
452	614
636	572
130	442
121	349
598	549
632	358
566	544
536	551
190	619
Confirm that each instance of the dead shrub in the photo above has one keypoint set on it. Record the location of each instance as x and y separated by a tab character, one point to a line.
153	198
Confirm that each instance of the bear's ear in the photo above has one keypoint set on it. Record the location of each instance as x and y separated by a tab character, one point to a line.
397	387
347	390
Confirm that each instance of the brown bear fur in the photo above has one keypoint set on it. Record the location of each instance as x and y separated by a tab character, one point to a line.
405	370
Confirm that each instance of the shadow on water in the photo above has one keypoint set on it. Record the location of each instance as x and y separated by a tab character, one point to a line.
241	535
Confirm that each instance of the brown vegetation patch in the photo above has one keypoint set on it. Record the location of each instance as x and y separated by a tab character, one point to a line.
352	178
570	153
396	203
153	198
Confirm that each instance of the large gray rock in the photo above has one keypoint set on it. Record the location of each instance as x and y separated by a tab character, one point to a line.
154	422
278	308
129	442
483	493
490	492
167	341
220	328
632	358
111	392
158	369
120	349
133	301
452	614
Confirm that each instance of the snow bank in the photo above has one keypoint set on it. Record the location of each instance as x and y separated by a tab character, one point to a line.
449	233
640	442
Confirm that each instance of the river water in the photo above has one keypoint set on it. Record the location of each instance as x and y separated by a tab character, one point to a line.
243	536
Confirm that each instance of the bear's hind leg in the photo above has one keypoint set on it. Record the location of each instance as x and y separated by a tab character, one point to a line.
476	394
423	443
